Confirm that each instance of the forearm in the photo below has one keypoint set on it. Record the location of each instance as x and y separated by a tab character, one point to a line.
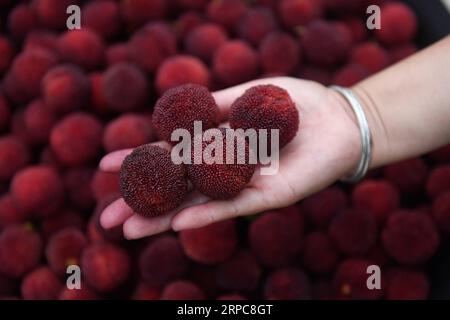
408	105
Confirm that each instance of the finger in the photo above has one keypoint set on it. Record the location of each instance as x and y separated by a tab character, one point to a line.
247	202
115	214
112	161
136	226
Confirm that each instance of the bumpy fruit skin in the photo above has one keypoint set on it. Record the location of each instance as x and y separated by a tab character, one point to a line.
438	181
276	237
179	107
38	190
371	56
406	284
221	180
38	122
182	290
52	13
105	266
226	12
326	43
84	293
235	62
377	197
240	273
287	284
128	131
76	139
83	47
20	250
180	70
408	176
64	248
125	87
151	45
162	261
410	238
295	13
350	75
212	244
350	281
266	107
204	40
14	155
398	24
103	17
279	53
41	284
441	211
65	88
150	183
319	253
321	207
255	24
137	12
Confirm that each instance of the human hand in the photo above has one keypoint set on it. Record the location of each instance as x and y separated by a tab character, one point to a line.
326	148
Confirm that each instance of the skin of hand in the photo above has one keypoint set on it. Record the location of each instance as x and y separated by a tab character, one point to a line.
326	148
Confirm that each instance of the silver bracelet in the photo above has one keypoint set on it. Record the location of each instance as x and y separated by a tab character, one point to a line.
366	139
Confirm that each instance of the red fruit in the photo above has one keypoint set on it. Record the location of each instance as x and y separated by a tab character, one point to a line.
42	39
23	82
222	180
240	273
38	190
128	131
38	122
344	7
146	292
182	290
9	213
65	88
405	284
20	250
192	4
371	56
279	53
296	13
398	24
78	294
441	211
226	12
75	182
137	12
401	52
408	176
98	99
7	54
179	70
321	207
353	232
266	107
14	156
151	184
21	20
287	284
326	43
41	284
255	24
317	74
65	219
83	47
319	253
162	261
377	197
105	266
186	22
117	53
275	237
151	45
105	185
64	249
350	75
410	237
97	233
212	244
231	296
358	28
438	181
5	114
350	281
52	13
125	87
179	107
103	17
204	40
76	139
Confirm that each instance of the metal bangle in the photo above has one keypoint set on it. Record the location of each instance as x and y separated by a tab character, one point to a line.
366	139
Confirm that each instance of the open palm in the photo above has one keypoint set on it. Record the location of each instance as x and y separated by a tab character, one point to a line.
325	148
